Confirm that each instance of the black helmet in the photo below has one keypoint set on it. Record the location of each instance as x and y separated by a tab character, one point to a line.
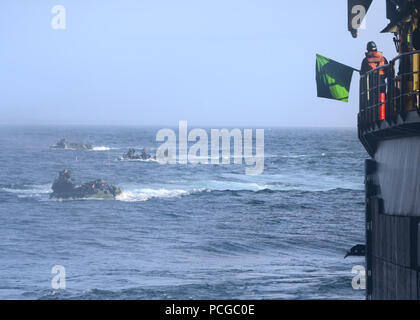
371	46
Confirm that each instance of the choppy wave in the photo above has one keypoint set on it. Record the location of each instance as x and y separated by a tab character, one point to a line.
297	156
221	234
139	195
229	182
307	181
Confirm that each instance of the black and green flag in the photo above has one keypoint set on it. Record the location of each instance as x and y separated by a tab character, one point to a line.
333	79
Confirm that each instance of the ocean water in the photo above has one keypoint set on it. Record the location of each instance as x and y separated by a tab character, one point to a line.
181	231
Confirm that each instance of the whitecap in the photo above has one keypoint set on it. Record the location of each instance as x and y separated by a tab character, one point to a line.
102	148
141	195
29	190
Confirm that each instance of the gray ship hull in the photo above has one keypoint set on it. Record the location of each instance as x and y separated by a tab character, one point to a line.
393	220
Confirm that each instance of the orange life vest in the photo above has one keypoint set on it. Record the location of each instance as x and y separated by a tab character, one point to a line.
376	59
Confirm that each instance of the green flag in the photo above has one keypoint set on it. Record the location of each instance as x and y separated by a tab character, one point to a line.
333	79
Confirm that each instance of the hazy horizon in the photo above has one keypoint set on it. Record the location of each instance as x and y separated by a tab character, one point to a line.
160	126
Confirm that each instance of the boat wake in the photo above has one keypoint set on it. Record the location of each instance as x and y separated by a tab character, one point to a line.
140	195
28	191
103	148
139	160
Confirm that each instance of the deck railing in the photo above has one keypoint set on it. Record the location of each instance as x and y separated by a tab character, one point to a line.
390	91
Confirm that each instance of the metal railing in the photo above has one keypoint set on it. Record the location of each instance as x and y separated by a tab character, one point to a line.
385	94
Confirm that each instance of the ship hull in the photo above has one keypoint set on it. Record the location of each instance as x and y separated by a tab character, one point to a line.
393	220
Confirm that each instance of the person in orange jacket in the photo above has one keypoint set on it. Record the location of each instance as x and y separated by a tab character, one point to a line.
373	60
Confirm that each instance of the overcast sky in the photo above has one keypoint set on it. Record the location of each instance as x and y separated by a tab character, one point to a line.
155	62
